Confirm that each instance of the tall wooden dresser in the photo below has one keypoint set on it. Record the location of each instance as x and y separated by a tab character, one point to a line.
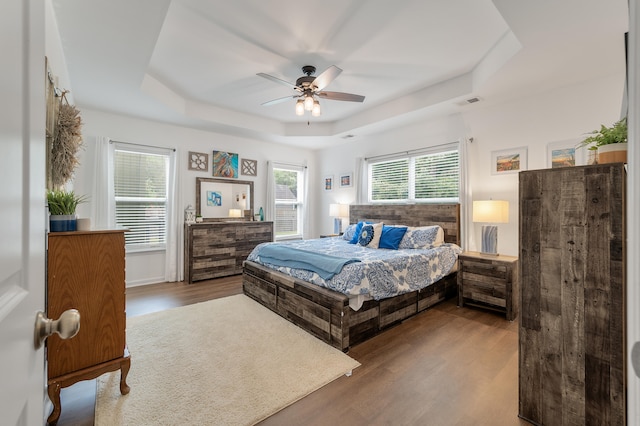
217	249
572	276
86	271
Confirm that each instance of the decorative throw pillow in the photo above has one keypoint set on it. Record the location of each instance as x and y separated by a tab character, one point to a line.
423	237
350	232
356	234
370	235
391	236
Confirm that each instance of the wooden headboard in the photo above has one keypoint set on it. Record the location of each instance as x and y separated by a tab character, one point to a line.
445	215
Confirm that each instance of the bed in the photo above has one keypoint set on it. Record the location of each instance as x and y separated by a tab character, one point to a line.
329	314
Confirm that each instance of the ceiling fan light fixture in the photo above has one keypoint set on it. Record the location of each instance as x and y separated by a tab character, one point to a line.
300	107
308	102
316	111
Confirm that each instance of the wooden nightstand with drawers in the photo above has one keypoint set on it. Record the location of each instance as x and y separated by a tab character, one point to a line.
488	281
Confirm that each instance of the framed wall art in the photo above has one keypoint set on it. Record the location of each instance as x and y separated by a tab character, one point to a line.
249	167
225	164
565	154
328	183
507	161
198	161
346	180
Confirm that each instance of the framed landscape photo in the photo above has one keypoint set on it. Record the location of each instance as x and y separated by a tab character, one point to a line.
507	161
565	154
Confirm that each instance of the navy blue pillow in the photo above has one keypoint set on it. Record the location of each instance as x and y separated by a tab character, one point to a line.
391	236
356	235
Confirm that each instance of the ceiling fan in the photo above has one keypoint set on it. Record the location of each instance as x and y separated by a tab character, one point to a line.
310	87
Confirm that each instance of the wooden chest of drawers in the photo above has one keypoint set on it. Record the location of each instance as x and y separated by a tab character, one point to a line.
217	249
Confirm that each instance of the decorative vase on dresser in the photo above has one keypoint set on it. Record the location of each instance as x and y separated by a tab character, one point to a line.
217	249
86	271
572	274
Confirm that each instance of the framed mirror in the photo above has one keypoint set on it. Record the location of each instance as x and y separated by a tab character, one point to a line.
224	199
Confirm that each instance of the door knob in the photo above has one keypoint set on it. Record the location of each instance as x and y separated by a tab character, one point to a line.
66	326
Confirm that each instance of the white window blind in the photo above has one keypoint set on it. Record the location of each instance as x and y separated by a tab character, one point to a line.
431	175
141	192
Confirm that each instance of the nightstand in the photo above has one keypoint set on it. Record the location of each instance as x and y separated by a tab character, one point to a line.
488	281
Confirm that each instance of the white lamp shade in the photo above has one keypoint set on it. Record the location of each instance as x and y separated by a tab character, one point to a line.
235	213
316	111
491	211
300	107
339	210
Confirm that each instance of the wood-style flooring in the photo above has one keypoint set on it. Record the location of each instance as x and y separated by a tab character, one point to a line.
446	366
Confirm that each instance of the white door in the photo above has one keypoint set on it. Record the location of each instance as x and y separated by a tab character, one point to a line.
22	209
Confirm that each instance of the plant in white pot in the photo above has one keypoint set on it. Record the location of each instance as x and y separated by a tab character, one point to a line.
62	209
609	142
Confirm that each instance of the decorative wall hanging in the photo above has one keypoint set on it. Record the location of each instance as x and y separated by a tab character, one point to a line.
64	136
198	161
249	167
225	164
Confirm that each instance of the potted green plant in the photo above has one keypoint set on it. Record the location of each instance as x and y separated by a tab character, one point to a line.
609	142
62	209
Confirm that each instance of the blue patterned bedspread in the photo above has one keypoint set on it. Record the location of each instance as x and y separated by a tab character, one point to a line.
381	273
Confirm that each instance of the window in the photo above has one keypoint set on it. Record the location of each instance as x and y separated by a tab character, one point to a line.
141	195
431	175
289	196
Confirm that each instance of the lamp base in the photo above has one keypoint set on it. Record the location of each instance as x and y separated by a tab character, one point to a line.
490	240
337	225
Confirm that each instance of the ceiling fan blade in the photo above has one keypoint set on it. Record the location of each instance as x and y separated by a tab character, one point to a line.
277	101
340	96
326	77
277	80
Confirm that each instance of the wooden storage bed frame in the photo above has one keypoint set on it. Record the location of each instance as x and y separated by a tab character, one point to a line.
326	313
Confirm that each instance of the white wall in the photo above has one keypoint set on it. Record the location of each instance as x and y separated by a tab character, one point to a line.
534	122
145	268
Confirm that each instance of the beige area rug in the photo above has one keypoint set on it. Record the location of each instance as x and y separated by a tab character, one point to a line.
228	361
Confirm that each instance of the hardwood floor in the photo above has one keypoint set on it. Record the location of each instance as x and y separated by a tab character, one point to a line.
447	366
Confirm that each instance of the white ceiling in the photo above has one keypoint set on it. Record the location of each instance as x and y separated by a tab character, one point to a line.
194	62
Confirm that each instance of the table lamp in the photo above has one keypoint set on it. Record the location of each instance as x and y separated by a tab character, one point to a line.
235	213
490	211
338	211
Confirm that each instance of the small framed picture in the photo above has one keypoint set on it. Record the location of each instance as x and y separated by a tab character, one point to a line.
249	167
225	164
565	154
346	180
198	161
328	183
507	161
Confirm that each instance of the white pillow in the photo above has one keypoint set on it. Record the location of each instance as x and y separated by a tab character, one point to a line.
370	235
422	237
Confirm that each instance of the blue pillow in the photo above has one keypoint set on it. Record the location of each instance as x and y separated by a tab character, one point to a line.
366	235
391	236
356	235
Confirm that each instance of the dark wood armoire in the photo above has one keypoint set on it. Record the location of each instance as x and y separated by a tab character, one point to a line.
572	298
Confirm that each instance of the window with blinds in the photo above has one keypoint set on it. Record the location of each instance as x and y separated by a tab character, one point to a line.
427	176
289	191
141	192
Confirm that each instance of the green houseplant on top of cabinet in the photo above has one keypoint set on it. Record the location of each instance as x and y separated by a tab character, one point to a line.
609	142
62	209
